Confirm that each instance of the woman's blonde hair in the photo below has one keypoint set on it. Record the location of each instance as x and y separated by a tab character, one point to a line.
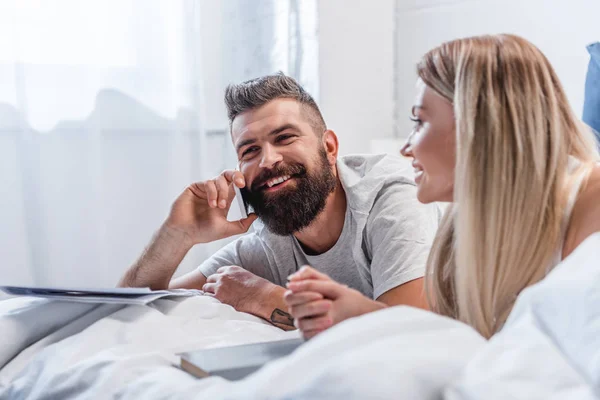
515	132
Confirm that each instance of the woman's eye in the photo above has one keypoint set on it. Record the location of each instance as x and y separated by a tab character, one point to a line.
417	122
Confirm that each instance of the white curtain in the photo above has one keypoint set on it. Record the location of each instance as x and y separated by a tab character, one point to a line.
109	108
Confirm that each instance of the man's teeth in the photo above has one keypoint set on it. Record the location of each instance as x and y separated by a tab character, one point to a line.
277	181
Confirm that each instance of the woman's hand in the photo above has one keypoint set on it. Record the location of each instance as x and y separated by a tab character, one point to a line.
317	302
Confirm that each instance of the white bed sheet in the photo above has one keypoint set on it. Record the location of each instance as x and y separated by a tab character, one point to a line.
549	348
59	349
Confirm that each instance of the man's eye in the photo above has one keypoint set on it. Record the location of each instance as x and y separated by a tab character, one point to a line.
249	151
283	138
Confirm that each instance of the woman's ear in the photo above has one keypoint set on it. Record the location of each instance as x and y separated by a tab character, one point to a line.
331	145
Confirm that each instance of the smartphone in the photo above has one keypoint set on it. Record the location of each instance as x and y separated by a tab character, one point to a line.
245	208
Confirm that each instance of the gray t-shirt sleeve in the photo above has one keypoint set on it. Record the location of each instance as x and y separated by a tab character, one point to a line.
247	252
400	231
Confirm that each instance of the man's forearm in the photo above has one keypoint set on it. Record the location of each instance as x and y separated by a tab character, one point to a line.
274	309
158	263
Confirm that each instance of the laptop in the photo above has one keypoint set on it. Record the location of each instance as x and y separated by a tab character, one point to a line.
235	362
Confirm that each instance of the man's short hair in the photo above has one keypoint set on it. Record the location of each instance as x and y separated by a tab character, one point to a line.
257	92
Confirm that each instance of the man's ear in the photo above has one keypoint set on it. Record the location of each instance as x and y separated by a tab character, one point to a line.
331	145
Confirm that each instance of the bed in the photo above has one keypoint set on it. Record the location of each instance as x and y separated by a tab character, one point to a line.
549	348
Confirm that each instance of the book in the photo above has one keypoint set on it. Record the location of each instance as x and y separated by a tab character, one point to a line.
139	296
235	362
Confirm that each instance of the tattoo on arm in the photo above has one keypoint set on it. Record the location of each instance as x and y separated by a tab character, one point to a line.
280	317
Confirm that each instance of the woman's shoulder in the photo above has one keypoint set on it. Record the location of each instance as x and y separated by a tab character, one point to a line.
585	219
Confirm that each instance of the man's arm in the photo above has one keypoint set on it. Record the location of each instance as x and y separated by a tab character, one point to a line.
399	234
198	215
275	311
191	280
411	294
159	261
231	285
250	293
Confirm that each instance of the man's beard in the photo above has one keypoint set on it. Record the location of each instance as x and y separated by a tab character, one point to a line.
290	210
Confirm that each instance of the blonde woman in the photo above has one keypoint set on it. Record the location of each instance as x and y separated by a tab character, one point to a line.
494	135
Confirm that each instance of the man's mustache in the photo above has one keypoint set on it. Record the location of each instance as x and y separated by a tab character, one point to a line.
295	170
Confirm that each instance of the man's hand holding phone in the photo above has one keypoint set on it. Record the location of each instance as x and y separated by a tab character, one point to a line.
201	210
198	215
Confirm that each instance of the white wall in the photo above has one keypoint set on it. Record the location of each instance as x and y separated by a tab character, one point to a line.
365	97
356	70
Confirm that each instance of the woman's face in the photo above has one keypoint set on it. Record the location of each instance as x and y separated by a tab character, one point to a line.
432	146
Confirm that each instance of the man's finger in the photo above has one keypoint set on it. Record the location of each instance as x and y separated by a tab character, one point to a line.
293	299
307	272
223	191
198	189
246	222
328	289
230	195
232	228
211	193
240	226
209	288
213	278
311	310
235	177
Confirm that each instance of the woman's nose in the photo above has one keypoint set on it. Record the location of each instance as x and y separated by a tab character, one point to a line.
406	150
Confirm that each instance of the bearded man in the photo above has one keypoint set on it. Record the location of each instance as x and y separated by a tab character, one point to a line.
355	218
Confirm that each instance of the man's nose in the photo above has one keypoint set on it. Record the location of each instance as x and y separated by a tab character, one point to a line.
270	157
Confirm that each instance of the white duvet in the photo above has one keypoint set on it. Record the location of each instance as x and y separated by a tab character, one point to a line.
549	348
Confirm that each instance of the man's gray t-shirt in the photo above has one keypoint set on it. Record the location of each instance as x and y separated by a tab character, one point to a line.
384	243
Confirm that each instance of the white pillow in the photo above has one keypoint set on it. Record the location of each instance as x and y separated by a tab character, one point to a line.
550	345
